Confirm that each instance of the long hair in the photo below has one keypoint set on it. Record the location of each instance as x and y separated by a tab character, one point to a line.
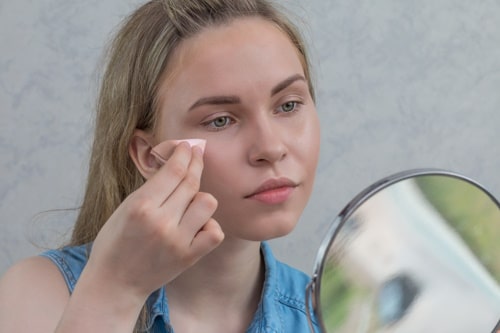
127	100
136	62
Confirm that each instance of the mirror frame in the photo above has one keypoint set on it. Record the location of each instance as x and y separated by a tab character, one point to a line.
313	299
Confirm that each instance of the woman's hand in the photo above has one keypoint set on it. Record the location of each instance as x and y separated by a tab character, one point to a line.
160	230
155	234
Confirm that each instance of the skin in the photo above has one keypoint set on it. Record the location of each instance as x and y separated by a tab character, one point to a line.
194	225
259	139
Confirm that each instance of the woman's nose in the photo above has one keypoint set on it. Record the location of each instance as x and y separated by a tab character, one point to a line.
267	143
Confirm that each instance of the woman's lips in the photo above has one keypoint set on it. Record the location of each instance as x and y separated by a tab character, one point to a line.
273	191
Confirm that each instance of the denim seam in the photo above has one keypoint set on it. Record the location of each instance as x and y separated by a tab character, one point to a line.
64	268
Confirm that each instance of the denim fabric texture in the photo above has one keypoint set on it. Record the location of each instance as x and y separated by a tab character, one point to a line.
282	308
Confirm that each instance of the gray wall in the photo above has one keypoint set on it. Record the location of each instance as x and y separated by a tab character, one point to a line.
401	84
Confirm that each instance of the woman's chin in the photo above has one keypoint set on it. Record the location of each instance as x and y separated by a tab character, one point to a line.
268	232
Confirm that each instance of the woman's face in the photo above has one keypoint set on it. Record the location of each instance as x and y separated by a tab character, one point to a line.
242	88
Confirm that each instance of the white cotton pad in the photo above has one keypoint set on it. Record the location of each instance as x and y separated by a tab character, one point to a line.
163	150
194	142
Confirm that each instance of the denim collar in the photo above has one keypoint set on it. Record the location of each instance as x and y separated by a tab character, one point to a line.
266	318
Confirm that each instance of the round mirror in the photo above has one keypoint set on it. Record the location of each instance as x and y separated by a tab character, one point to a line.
415	252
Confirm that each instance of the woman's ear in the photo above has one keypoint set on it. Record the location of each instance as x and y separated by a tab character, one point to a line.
139	150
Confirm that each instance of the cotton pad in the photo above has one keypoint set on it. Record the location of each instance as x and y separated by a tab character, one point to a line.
193	142
163	150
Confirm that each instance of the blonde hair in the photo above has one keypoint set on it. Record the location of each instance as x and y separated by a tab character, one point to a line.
137	59
127	101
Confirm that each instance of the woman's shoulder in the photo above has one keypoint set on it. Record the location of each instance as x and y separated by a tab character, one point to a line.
32	288
31	274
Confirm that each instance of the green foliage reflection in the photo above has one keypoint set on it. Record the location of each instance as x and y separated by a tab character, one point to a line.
472	213
336	296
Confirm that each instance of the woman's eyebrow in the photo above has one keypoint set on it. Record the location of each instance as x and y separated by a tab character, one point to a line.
215	100
221	100
287	82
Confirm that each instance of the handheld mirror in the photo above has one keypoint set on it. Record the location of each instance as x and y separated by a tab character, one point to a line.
418	251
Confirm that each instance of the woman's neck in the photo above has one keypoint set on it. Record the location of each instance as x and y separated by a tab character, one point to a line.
229	279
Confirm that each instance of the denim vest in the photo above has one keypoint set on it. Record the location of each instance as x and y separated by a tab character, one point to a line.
282	308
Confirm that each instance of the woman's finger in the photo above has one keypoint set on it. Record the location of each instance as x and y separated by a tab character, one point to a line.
199	211
207	239
183	195
164	150
161	185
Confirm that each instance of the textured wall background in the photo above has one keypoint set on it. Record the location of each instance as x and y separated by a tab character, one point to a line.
401	84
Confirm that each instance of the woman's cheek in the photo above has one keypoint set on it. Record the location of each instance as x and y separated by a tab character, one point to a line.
218	164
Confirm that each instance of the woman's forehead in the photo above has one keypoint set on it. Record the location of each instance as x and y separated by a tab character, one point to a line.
242	50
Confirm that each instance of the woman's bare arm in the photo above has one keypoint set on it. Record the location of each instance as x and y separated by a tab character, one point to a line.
33	295
34	298
159	231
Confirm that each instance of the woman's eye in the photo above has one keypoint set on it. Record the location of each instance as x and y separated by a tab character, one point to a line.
288	106
219	122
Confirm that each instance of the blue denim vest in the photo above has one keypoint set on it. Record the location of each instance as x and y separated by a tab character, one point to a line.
282	308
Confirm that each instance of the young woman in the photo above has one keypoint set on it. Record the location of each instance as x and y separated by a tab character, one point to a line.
171	237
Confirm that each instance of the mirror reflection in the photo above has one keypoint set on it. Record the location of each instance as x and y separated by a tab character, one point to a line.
419	255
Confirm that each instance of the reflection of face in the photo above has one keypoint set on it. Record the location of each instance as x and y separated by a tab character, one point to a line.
241	87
